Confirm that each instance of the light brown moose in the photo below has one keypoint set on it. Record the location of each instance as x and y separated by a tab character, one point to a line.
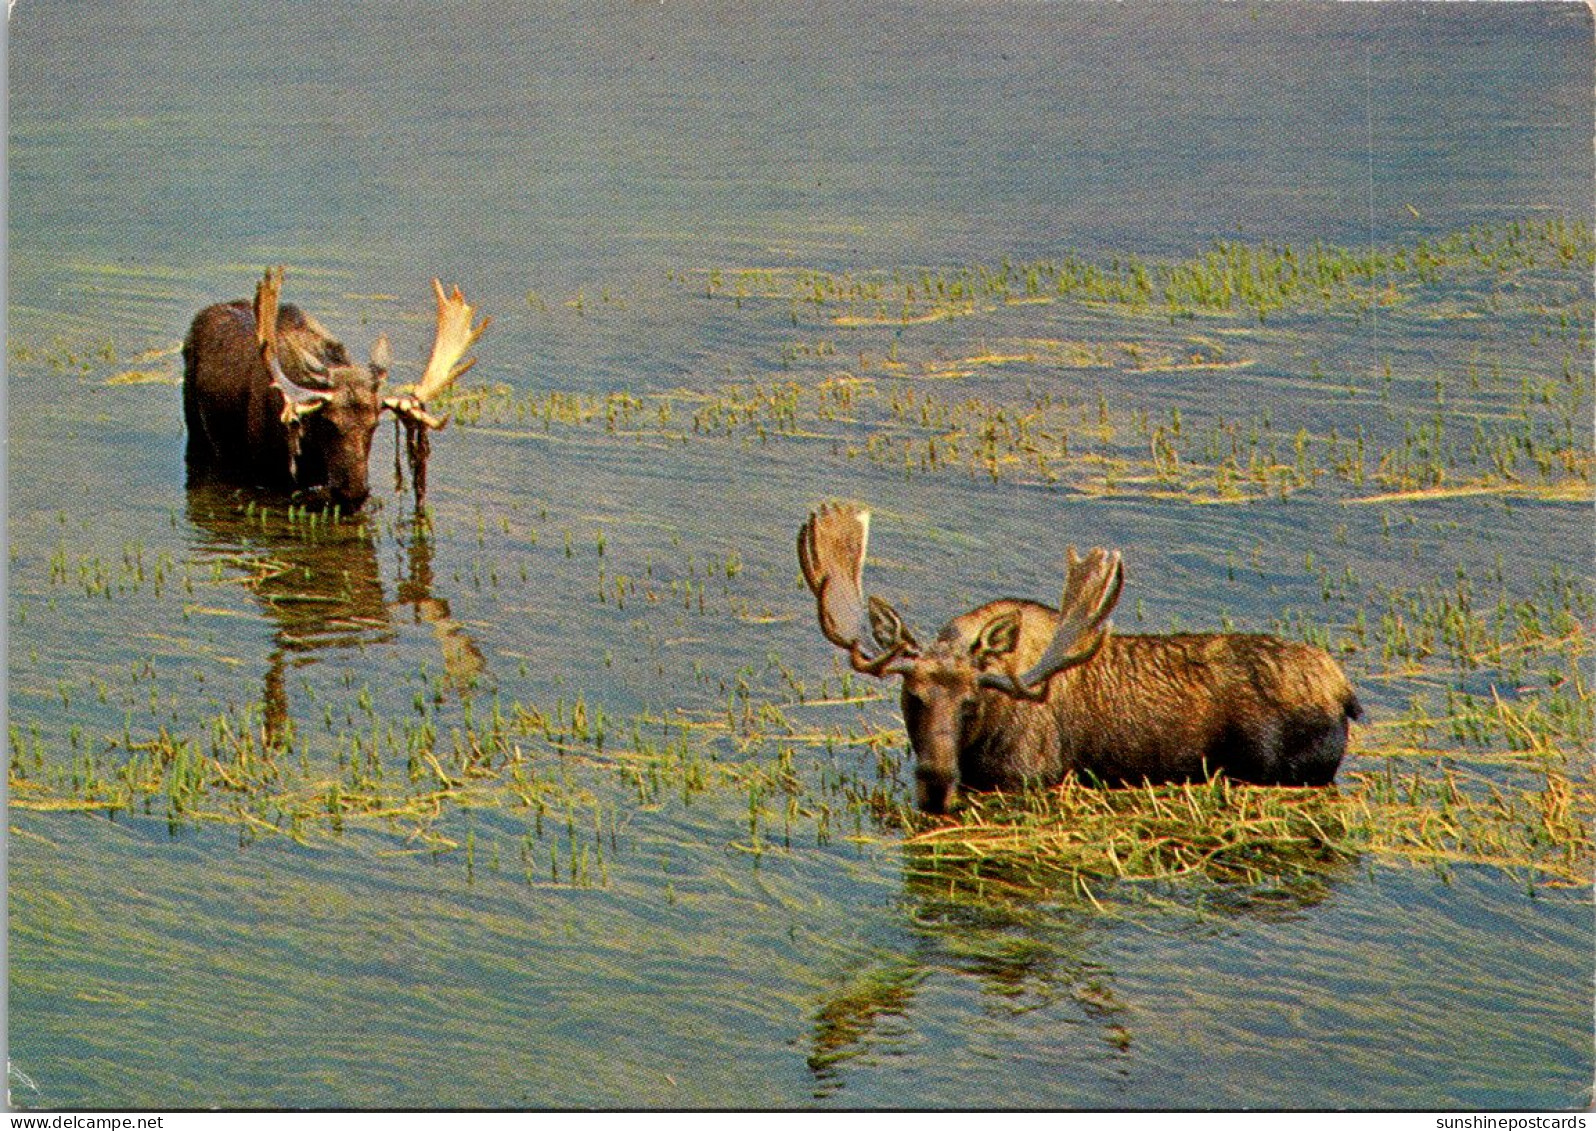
1014	694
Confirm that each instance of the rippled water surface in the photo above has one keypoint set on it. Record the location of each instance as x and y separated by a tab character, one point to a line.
560	799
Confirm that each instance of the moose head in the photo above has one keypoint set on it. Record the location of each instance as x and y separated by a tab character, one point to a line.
957	689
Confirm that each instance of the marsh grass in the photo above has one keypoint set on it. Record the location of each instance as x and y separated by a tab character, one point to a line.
1229	278
1518	797
1487	765
1077	837
1109	401
1079	442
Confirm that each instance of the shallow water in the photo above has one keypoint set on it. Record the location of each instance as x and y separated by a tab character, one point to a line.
597	179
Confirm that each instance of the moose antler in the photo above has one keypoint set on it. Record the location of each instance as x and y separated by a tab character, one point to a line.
455	337
1091	590
298	401
831	553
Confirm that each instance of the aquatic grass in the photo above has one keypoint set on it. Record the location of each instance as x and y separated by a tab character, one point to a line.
1056	412
1510	797
1115	403
1496	677
1078	838
1230	277
1494	429
1079	442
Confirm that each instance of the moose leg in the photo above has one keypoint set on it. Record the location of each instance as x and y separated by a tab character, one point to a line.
199	454
1321	755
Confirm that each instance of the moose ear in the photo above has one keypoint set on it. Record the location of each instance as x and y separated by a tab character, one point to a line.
999	636
381	357
886	626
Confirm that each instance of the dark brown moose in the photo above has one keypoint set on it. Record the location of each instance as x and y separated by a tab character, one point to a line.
1015	694
271	399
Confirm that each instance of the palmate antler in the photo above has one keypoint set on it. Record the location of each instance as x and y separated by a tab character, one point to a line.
454	339
831	553
1091	590
298	401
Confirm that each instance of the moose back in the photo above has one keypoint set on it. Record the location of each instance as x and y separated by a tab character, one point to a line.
271	399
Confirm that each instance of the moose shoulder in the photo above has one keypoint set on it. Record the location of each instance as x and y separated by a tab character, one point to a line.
1014	693
271	399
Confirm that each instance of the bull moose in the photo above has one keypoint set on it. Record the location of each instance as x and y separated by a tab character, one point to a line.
271	399
1015	694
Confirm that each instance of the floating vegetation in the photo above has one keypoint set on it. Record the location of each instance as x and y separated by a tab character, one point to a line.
144	377
1077	838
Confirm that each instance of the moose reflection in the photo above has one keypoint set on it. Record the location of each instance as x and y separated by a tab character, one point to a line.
1029	945
1023	956
320	586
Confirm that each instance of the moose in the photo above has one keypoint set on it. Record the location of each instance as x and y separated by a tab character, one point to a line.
1014	694
271	399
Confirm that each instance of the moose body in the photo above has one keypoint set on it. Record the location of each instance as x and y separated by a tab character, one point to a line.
1015	694
235	412
271	399
1143	709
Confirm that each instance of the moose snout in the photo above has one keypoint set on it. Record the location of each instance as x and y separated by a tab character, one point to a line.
351	498
935	790
347	486
347	499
